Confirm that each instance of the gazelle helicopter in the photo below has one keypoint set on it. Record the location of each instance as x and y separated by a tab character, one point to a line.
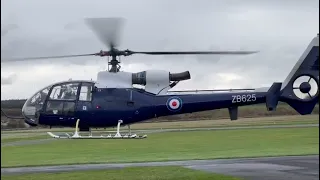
112	100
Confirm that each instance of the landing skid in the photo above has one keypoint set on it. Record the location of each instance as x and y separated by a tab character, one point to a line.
76	134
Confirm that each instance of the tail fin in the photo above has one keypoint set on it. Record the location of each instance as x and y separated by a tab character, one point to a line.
301	87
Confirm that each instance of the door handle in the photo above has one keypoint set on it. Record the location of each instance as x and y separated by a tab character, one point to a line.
62	119
130	103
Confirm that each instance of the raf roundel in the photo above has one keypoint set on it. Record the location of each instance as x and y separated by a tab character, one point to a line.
174	104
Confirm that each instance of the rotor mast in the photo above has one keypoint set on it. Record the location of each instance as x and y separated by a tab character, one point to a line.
115	67
114	62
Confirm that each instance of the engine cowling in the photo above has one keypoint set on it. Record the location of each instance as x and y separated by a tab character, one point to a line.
141	77
156	81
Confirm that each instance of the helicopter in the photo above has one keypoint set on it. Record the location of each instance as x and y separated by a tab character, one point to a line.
113	101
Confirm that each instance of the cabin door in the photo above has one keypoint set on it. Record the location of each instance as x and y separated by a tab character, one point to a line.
60	112
84	105
61	104
131	106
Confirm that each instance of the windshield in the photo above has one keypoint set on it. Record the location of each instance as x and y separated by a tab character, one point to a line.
35	103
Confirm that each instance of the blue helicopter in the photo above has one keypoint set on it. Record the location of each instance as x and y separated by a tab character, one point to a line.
112	100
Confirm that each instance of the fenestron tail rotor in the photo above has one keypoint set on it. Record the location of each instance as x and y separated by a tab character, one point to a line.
107	31
305	87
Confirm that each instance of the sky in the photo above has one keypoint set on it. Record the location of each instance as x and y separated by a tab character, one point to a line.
279	29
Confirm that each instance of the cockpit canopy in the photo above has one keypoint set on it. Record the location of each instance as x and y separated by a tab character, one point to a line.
56	94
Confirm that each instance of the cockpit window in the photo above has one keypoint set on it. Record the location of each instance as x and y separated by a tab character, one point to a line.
39	97
35	103
64	92
85	92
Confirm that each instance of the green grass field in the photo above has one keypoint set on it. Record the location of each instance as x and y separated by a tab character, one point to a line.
279	120
161	147
167	146
33	134
132	173
23	137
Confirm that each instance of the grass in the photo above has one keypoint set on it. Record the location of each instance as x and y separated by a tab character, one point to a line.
23	138
132	173
279	120
34	134
168	146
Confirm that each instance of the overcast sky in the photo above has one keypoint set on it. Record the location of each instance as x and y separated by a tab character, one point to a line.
279	29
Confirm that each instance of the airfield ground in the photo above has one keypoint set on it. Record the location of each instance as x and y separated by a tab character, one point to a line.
132	173
18	135
165	146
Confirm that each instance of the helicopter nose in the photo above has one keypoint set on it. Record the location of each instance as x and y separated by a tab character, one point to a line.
30	122
30	115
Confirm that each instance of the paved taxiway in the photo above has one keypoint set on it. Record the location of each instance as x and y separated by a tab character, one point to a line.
30	142
271	168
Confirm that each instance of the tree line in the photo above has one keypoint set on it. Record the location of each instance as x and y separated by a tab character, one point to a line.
12	103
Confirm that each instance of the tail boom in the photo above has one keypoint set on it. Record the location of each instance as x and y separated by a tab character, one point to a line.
189	103
307	65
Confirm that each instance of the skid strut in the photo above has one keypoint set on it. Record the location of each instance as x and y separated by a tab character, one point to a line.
76	134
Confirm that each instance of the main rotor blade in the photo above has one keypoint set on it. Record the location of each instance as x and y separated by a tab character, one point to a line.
45	57
106	29
195	52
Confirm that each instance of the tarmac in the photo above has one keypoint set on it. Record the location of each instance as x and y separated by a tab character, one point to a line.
269	168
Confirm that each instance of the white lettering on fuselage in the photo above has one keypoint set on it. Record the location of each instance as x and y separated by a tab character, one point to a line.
244	98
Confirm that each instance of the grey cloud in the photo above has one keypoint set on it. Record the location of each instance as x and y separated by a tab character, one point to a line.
8	80
8	28
280	30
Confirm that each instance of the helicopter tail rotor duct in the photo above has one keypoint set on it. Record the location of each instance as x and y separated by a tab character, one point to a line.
305	88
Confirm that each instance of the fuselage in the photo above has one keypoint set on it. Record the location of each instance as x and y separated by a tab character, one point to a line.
104	107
